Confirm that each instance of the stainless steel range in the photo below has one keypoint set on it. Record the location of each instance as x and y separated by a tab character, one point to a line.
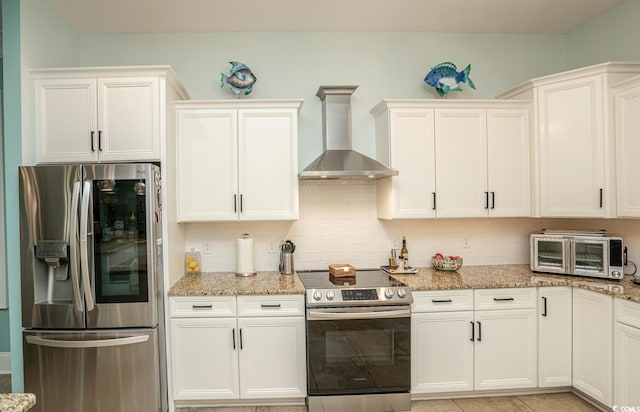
358	342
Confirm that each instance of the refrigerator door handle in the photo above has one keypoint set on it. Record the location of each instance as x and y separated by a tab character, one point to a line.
73	248
84	246
99	343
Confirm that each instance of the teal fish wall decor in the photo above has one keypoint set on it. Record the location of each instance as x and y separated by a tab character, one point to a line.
240	78
445	77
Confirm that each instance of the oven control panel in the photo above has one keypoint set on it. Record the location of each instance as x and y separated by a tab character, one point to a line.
359	297
359	294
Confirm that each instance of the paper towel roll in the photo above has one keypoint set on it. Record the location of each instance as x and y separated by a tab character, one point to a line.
245	256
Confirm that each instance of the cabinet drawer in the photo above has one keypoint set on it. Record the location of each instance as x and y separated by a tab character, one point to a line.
442	300
507	298
272	305
202	306
627	312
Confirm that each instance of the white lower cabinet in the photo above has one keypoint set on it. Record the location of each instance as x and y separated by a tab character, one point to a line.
441	341
554	336
592	344
455	348
228	348
626	341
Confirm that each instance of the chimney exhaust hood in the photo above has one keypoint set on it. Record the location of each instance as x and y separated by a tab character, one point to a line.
339	160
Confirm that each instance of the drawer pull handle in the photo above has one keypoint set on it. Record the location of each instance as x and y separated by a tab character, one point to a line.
202	306
441	300
503	299
270	306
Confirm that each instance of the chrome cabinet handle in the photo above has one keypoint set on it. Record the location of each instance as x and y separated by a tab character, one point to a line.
270	306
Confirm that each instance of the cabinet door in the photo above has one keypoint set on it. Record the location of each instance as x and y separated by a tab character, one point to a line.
272	357
626	360
207	166
592	344
129	119
627	124
508	162
571	148
204	358
410	195
442	352
66	120
268	164
505	349
461	163
554	336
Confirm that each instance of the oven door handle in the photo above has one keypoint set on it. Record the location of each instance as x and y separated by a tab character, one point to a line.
346	314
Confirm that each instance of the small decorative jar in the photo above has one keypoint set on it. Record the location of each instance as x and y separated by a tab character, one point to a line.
192	262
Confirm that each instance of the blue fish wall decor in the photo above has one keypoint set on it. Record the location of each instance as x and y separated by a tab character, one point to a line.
239	79
445	77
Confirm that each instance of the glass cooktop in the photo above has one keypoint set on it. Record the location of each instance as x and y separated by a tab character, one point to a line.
363	279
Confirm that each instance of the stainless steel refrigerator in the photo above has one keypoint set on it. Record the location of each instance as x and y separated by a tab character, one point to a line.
92	290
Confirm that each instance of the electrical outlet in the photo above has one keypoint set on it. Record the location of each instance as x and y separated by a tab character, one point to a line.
273	247
207	248
465	242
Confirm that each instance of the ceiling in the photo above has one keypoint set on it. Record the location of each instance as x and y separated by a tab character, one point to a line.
456	16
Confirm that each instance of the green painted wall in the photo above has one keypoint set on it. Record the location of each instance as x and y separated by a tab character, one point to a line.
293	65
12	156
614	35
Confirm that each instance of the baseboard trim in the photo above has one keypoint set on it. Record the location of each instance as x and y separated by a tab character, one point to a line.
5	362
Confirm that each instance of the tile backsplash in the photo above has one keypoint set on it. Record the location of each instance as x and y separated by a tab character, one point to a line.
338	224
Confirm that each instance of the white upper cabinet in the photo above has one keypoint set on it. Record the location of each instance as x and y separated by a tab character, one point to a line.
455	158
237	160
627	129
102	114
573	145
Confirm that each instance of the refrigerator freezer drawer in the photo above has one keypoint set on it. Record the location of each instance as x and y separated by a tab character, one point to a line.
100	371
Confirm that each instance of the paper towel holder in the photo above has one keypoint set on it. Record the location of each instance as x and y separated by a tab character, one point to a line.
246	273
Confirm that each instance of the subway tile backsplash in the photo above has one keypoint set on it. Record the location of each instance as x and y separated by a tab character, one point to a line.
338	224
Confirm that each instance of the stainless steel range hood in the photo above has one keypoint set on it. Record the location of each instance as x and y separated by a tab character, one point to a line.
339	160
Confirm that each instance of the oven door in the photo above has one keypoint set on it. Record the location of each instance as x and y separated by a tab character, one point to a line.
590	257
358	350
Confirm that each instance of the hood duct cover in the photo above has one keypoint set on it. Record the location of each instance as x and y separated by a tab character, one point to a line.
339	160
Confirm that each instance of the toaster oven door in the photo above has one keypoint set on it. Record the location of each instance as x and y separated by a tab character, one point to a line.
550	254
591	257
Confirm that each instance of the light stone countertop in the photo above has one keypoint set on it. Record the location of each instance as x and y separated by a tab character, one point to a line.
16	402
223	283
468	277
513	276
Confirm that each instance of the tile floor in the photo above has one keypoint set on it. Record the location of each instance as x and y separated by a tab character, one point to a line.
557	402
5	383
